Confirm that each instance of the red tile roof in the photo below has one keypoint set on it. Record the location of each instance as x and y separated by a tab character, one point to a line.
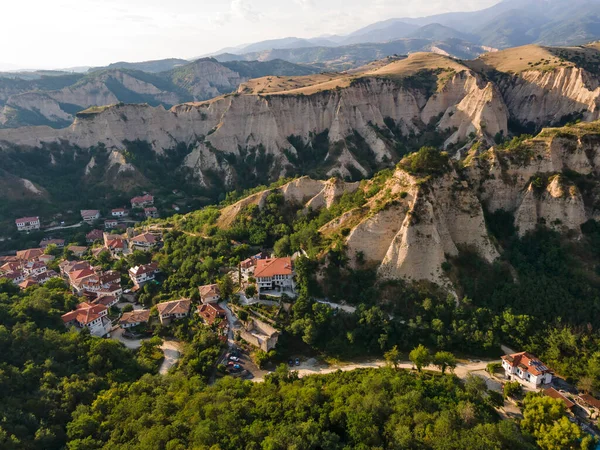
94	235
84	314
27	219
143	199
175	307
80	274
27	283
138	316
593	402
527	363
147	238
551	392
211	312
25	255
210	290
270	267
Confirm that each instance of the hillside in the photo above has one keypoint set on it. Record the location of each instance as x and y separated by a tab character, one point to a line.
55	100
348	124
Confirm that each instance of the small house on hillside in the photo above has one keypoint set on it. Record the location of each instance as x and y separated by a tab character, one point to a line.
210	293
144	273
275	273
119	212
90	215
28	223
89	316
77	250
60	243
151	212
526	368
142	201
211	312
134	318
144	242
173	310
93	236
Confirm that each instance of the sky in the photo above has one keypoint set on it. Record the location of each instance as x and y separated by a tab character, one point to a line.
52	34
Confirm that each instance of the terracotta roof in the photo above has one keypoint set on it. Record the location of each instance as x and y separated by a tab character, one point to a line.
143	199
118	210
10	267
175	307
27	283
247	263
140	270
89	212
138	316
592	401
77	248
70	266
210	290
115	243
94	235
28	254
270	267
84	314
211	312
80	274
105	300
150	209
527	363
145	238
551	392
33	265
27	219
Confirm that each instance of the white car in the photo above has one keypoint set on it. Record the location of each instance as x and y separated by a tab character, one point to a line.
234	358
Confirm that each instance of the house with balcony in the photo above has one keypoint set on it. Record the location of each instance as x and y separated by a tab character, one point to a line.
89	216
275	274
142	201
93	317
119	212
210	293
134	318
144	242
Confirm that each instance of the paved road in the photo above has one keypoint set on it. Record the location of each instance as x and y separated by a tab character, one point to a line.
233	324
65	227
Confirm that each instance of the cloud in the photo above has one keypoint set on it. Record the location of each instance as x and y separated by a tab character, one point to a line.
306	4
243	9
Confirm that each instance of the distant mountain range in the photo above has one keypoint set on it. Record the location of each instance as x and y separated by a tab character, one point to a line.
507	24
54	98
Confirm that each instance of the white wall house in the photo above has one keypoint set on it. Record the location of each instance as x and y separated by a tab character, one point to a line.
526	368
274	273
28	223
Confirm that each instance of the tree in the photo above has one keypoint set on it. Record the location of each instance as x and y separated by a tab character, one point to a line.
476	386
226	287
586	384
53	250
393	356
420	357
127	308
282	247
512	389
443	360
251	291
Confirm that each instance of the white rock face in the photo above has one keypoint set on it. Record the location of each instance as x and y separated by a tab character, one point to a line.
544	97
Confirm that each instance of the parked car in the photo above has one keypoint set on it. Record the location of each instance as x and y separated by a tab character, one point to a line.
291	362
297	361
234	358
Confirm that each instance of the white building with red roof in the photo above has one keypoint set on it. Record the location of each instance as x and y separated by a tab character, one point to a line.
526	368
176	309
34	268
110	224
89	316
142	274
210	293
275	273
60	243
144	241
17	276
94	235
119	212
90	215
142	201
28	223
151	212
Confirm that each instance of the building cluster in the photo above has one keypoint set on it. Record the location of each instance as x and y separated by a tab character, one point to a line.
114	220
28	268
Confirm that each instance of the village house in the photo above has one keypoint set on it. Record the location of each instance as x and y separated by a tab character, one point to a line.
42	278
526	368
211	312
119	212
110	290
142	201
209	293
142	274
10	267
247	267
60	243
151	212
78	251
114	243
260	334
274	274
89	216
93	236
28	223
106	300
144	242
134	318
66	267
109	224
174	310
17	276
29	254
34	268
89	316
